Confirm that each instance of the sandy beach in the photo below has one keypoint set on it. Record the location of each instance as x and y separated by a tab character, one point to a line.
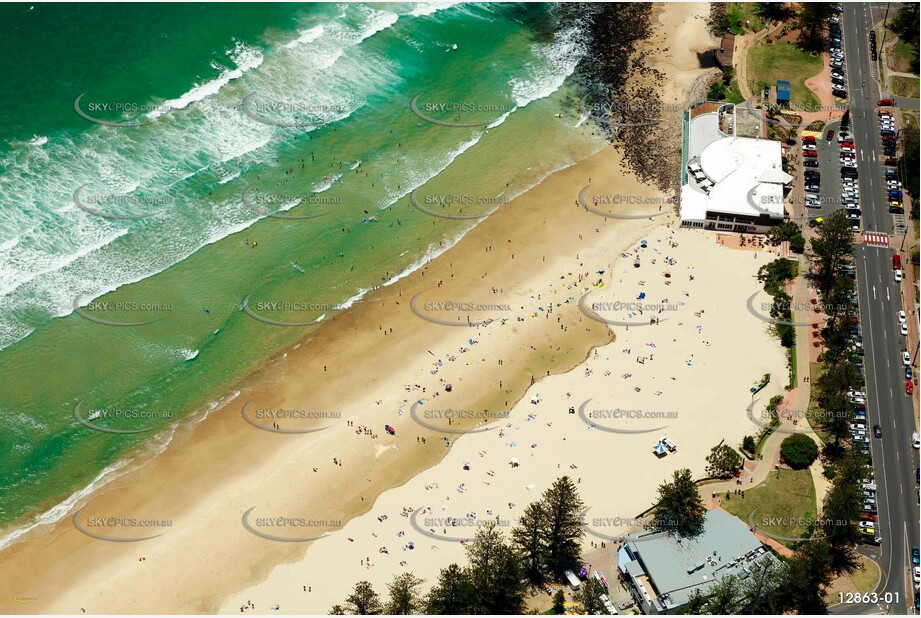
492	326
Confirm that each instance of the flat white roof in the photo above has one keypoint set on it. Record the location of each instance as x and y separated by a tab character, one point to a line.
747	173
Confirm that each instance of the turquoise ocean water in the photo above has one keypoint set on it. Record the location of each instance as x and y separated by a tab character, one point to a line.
227	113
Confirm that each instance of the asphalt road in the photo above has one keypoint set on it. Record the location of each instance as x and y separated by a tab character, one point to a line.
894	459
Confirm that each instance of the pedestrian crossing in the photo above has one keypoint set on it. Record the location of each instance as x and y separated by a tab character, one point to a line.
876	239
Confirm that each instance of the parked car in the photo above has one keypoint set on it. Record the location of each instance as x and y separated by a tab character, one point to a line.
884	102
906	359
811	163
909	388
898	278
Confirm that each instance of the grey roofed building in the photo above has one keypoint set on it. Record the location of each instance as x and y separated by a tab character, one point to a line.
663	570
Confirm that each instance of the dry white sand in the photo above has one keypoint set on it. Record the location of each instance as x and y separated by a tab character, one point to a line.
698	362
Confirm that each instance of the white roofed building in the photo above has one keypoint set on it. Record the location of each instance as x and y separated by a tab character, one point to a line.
729	183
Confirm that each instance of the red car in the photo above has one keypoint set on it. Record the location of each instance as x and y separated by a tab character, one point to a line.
860	406
891	161
884	102
811	154
809	139
868	516
909	387
896	261
848	144
830	135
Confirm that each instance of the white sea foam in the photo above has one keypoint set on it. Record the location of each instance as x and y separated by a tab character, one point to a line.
244	57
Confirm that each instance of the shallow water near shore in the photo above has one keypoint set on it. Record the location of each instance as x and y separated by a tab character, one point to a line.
184	273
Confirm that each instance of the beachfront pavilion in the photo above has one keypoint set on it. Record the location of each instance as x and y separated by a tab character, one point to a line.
729	183
663	570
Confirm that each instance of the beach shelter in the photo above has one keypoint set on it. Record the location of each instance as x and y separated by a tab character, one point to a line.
659	449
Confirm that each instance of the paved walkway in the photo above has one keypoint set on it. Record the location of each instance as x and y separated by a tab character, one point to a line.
791	412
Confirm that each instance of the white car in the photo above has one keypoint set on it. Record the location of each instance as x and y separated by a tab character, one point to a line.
902	317
915	440
894	184
917	574
906	359
903	328
847	149
868	524
898	275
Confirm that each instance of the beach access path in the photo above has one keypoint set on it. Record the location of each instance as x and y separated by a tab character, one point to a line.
795	403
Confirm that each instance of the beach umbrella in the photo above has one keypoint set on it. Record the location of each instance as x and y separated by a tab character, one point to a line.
658	448
642	295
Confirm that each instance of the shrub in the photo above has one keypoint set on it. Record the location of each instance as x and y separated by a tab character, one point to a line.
749	445
799	451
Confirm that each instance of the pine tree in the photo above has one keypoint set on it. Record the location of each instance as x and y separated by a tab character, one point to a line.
564	532
528	541
680	508
404	595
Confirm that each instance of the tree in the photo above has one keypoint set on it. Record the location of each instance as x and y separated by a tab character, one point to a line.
363	600
813	20
563	507
749	445
809	573
680	508
841	510
799	451
758	590
830	249
452	594
724	598
589	596
723	461
495	574
404	595
528	540
559	602
337	610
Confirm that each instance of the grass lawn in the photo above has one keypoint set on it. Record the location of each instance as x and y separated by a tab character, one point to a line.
735	95
898	57
866	576
814	370
744	12
769	62
904	86
788	495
